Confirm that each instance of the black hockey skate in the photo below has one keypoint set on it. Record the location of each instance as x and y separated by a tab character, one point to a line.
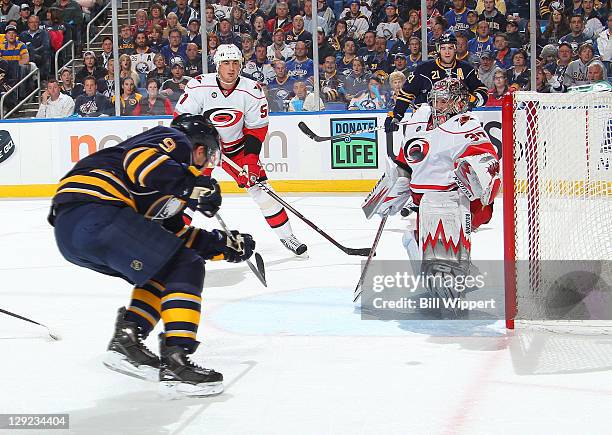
294	245
179	377
127	353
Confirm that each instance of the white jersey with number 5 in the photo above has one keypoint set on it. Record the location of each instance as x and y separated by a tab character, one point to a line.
431	154
235	113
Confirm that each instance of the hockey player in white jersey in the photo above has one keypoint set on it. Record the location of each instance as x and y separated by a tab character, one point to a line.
450	168
238	109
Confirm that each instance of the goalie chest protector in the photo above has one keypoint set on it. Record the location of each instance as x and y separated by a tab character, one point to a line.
431	154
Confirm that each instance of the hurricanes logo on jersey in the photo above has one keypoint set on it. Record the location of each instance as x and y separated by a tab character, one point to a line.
223	117
415	150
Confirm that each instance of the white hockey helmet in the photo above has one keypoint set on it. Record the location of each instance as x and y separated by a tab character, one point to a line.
227	52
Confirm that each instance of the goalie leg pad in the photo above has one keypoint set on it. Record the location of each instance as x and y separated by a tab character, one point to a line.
389	194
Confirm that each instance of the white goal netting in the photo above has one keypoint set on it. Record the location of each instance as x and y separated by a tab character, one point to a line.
562	214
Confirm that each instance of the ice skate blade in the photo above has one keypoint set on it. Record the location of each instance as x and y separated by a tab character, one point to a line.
119	363
173	390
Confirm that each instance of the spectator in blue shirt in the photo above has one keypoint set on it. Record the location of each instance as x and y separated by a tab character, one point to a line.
483	41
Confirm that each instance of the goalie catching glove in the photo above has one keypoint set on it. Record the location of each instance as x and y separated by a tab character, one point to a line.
478	177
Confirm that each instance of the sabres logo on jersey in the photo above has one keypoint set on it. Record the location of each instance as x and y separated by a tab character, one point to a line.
224	117
415	150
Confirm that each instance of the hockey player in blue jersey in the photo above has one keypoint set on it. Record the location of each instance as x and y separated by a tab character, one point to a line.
119	212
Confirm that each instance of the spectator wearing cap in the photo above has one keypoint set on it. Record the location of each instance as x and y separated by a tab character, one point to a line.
486	68
13	50
400	64
483	41
155	103
462	50
503	53
175	47
9	11
576	72
303	101
281	21
183	12
472	20
240	25
325	48
68	86
280	88
301	66
248	48
604	46
172	23
556	28
371	99
577	36
174	87
126	40
162	72
193	33
558	67
259	69
298	33
279	50
414	57
24	14
260	33
499	89
518	74
225	34
457	17
496	19
593	25
141	23
512	31
91	103
54	104
390	27
89	68
356	22
193	66
39	45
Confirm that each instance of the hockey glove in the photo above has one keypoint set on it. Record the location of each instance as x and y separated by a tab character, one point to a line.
209	201
478	177
203	184
239	247
391	123
250	172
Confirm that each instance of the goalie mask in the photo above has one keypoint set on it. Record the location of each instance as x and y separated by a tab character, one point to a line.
448	97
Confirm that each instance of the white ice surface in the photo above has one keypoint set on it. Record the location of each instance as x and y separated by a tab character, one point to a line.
296	357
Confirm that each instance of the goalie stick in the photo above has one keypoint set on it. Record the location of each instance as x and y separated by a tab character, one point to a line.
364	252
358	290
259	270
52	334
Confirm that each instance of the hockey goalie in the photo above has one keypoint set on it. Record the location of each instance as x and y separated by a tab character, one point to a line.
449	168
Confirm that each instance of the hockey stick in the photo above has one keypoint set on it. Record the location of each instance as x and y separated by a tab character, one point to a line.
311	134
259	270
358	290
364	252
52	334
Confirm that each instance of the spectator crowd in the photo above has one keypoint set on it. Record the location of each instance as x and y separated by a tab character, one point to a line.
366	49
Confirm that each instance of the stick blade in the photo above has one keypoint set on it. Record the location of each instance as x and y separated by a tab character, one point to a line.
311	134
363	252
260	265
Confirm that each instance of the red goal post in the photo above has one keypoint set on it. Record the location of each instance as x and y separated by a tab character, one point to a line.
557	200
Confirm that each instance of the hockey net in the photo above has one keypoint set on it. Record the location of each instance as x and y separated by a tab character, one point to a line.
557	152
